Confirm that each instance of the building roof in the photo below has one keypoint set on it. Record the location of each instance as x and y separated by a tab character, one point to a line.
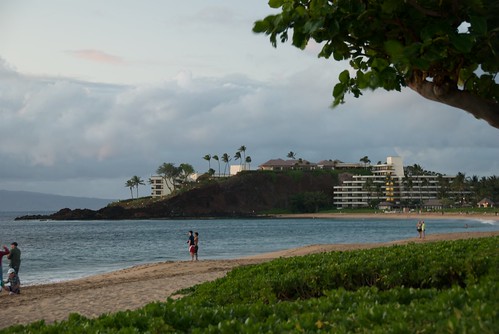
287	163
486	200
329	163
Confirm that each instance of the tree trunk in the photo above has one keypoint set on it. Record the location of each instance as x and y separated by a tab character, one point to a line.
479	107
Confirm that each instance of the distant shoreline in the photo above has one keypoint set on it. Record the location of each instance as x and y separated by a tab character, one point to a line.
382	215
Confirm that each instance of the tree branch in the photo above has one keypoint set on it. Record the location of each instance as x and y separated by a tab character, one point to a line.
423	10
479	107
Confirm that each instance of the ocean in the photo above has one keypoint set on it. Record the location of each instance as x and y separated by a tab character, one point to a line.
54	251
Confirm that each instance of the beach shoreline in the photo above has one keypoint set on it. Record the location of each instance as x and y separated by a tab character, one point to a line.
134	287
391	215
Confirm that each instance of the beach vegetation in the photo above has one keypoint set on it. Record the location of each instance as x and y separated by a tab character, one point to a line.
310	201
446	51
175	177
440	287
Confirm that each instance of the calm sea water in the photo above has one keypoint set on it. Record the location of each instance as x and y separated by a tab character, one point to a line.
63	250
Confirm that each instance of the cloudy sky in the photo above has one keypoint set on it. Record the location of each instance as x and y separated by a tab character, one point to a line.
94	92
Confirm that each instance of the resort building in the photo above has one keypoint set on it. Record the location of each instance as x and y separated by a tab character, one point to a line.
300	164
486	203
388	187
292	164
158	186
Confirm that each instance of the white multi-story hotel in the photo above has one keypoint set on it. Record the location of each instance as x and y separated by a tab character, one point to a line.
389	186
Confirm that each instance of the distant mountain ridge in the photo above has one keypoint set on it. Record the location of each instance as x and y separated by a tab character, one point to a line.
33	201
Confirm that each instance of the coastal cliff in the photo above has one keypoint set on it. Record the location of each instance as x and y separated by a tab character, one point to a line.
244	195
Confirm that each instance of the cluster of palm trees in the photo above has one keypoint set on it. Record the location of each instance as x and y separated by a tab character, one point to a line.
462	190
175	177
226	158
134	182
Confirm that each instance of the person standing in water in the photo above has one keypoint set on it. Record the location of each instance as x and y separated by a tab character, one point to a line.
418	228
196	243
423	229
191	245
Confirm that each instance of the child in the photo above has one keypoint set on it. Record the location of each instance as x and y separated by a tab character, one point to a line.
2	253
14	286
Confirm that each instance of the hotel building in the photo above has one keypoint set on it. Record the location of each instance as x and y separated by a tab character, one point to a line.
388	187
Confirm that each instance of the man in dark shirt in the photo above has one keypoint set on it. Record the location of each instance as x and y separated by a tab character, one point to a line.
14	257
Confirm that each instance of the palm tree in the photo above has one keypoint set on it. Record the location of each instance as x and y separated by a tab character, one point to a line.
291	155
208	158
365	160
368	186
416	169
186	170
242	149
226	159
237	156
459	185
168	172
215	157
408	186
131	185
136	181
248	161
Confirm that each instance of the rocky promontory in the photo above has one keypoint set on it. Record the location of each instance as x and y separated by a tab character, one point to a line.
247	194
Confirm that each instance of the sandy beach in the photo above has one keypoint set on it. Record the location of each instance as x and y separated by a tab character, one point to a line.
410	215
137	286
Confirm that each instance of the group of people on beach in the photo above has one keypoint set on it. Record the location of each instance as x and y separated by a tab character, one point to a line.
193	243
13	284
421	228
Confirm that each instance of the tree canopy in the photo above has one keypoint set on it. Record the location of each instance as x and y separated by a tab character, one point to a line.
447	50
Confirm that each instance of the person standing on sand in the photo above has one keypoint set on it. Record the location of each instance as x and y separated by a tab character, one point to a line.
14	257
196	242
191	244
2	253
423	228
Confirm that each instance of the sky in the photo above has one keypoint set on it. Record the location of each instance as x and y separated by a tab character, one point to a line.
95	92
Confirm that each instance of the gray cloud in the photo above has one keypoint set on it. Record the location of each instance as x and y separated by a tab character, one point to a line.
70	137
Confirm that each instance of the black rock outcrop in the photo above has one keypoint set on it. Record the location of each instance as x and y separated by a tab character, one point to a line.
244	195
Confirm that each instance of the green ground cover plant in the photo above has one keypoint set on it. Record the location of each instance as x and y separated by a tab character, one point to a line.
442	287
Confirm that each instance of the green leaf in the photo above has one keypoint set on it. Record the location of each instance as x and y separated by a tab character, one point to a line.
362	80
339	90
344	77
339	93
478	25
462	42
394	48
311	26
276	3
379	64
260	26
